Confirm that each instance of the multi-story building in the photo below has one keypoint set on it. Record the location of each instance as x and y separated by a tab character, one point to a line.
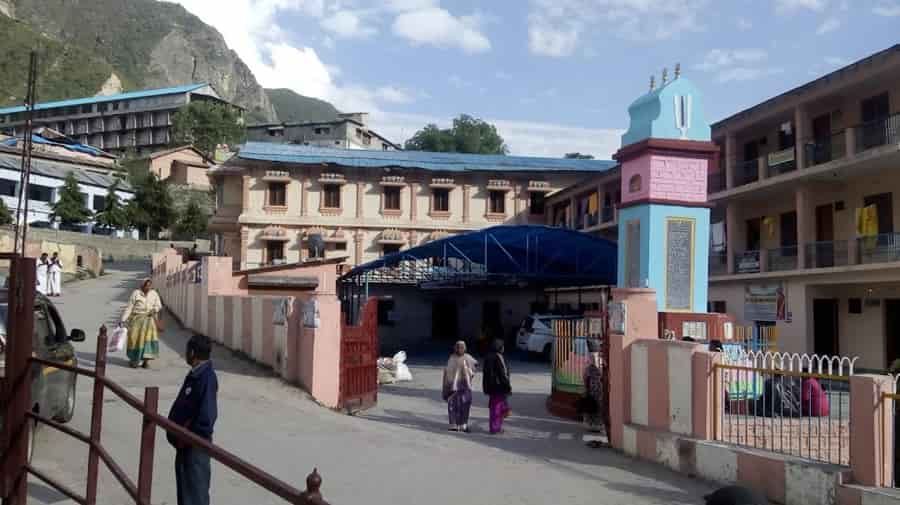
803	232
591	206
348	131
138	121
272	199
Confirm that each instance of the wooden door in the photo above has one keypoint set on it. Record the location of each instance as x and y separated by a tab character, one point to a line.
825	327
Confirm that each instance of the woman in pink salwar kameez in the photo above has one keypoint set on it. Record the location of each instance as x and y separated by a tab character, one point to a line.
497	386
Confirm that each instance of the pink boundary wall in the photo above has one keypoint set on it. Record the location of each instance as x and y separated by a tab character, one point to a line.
661	409
219	308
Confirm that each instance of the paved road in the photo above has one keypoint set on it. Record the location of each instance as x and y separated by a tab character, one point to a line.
398	453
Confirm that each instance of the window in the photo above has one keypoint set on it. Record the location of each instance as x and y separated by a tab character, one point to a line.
126	105
331	194
536	207
276	132
634	184
277	194
339	246
86	109
717	307
390	249
115	106
274	252
391	198
322	131
123	122
99	202
854	305
7	187
40	193
385	312
441	200
497	202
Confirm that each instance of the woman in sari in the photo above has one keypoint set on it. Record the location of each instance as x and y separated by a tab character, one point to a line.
592	405
141	317
457	388
497	386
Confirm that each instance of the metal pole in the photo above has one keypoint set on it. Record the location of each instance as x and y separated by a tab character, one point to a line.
25	174
148	444
96	418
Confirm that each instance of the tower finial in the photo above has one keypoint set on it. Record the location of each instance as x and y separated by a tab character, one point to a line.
652	82
677	70
665	76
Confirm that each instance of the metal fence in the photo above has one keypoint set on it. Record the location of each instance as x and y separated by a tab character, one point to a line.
755	338
570	354
763	403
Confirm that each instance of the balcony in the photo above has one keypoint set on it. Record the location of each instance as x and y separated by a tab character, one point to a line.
587	220
608	214
781	162
782	259
825	149
878	133
747	262
715	182
747	172
881	248
718	263
827	254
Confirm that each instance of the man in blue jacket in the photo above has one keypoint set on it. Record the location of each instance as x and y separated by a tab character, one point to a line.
195	409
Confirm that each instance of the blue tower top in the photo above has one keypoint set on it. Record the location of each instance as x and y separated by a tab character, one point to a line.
672	111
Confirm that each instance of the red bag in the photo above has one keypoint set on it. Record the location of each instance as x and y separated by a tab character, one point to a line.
814	400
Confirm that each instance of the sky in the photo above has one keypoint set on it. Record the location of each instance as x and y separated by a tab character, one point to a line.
554	76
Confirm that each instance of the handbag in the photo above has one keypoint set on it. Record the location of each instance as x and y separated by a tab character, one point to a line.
159	323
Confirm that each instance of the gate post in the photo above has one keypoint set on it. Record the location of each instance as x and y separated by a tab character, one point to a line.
148	444
96	418
16	386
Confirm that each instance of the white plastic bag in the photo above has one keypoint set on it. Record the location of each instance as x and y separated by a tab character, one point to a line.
399	358
401	371
117	340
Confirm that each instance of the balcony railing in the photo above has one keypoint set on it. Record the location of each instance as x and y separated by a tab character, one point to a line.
782	258
825	149
881	248
608	214
748	172
827	254
747	262
781	162
716	182
718	263
878	133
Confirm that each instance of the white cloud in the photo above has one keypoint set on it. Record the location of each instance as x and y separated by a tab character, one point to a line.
395	94
836	61
437	27
348	25
888	9
720	58
786	6
744	24
555	26
828	26
739	74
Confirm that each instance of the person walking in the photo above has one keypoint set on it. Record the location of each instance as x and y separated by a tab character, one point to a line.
457	387
141	317
195	408
55	269
497	386
43	273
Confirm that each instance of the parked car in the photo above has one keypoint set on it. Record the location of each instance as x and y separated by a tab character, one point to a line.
536	334
52	389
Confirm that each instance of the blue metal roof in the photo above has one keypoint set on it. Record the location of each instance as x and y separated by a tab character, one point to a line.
108	98
59	170
450	162
538	254
71	146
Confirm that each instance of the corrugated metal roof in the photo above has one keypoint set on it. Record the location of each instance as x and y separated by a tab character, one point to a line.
60	170
450	162
108	98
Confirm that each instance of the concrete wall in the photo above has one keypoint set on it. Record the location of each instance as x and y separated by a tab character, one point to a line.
110	249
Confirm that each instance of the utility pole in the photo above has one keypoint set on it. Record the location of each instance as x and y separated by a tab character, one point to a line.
25	175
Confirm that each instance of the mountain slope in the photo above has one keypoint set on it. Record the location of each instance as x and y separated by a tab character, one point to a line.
293	107
149	44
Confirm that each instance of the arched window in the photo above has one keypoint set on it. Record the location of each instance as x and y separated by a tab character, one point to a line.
634	184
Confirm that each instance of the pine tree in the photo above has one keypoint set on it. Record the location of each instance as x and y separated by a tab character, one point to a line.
70	209
6	217
192	222
114	215
151	209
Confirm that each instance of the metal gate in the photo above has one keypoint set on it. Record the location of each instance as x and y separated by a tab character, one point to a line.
359	355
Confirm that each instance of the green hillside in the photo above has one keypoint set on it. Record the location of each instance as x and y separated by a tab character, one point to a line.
64	71
293	107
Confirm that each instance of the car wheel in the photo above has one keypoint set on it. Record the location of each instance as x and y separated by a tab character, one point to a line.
69	411
31	434
547	354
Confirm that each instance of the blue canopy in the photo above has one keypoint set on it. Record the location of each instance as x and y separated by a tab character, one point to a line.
500	255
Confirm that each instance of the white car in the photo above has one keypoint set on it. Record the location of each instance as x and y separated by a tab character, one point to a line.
536	334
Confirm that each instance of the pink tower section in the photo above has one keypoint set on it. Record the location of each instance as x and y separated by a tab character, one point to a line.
655	177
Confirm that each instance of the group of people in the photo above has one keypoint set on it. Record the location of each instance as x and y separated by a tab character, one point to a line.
457	386
49	275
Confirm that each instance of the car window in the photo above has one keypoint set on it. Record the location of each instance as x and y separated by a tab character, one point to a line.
528	323
59	329
44	334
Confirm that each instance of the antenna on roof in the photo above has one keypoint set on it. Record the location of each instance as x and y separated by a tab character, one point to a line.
665	76
677	70
652	82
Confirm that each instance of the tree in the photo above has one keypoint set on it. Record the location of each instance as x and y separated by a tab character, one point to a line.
114	215
579	156
6	217
151	209
71	208
467	135
192	222
205	125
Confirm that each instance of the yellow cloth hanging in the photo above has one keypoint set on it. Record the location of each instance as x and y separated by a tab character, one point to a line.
867	221
593	203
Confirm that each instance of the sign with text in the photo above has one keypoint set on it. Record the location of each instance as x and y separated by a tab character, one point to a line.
765	302
679	264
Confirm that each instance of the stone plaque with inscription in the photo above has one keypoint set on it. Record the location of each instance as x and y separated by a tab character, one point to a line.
617	317
679	264
633	254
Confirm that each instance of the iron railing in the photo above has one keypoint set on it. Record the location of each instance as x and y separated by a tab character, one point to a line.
716	182
718	263
748	172
881	248
782	259
878	133
781	162
608	214
140	492
824	149
570	355
747	262
825	254
797	413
